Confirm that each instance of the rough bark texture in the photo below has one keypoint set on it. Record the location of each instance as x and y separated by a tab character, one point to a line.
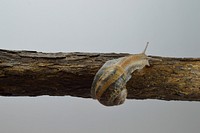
30	73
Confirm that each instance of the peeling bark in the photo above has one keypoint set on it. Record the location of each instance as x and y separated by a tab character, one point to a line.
31	73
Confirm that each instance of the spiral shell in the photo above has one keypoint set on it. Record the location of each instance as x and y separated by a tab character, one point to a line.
108	91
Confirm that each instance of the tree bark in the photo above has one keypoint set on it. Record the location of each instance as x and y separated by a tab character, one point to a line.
31	73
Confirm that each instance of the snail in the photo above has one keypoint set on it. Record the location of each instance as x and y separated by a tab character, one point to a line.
109	84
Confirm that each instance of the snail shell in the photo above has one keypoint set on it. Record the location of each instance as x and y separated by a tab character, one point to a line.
109	84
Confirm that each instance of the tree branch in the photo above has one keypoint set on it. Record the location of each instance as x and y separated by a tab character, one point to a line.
30	73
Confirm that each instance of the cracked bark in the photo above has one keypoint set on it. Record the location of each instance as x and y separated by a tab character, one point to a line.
31	73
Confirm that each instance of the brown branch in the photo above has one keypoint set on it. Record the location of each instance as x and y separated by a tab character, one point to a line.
30	73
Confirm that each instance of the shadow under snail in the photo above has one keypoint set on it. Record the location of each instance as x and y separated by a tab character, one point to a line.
109	84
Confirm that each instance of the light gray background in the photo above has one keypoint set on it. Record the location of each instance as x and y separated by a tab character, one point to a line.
171	26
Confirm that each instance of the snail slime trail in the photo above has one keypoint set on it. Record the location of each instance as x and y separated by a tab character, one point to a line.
109	84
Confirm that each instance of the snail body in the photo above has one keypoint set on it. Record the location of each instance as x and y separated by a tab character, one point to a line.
109	84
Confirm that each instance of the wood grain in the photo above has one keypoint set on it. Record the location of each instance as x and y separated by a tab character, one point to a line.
31	73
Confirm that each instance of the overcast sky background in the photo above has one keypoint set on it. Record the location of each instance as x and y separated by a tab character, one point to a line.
171	26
